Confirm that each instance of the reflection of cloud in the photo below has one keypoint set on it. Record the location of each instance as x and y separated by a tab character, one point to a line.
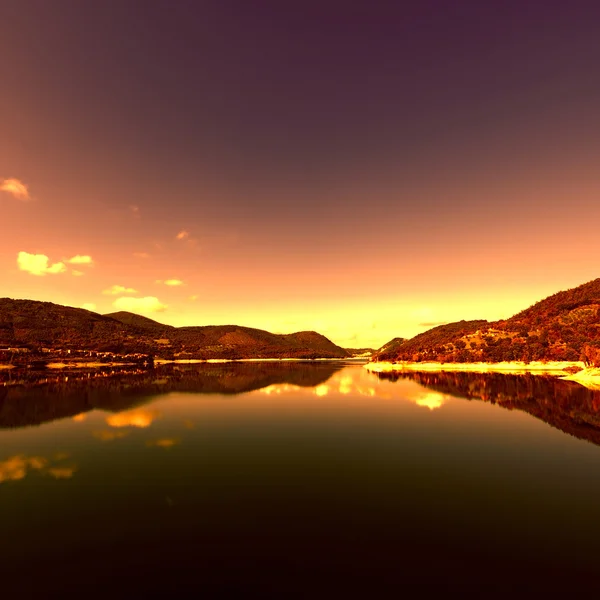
61	472
431	400
189	424
163	443
80	416
139	417
279	388
17	467
118	289
79	259
322	390
346	384
15	188
107	435
142	305
38	264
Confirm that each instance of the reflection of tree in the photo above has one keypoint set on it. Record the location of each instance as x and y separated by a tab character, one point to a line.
33	398
565	405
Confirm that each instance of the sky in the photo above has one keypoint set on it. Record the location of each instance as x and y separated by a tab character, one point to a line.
363	169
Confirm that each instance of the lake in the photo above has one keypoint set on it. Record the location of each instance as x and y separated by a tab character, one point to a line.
293	479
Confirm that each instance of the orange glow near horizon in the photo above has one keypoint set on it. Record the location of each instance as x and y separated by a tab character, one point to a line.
364	212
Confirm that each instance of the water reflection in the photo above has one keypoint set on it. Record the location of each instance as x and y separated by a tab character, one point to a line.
17	467
139	417
565	405
315	469
29	398
163	443
32	399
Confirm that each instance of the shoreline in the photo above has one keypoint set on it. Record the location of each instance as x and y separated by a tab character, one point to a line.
162	361
477	367
588	377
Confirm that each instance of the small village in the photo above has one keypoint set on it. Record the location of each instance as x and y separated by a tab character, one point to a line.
24	356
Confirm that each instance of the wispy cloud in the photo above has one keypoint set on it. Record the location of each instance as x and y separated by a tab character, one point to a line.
80	259
141	255
193	298
115	290
135	210
182	235
89	306
171	282
432	323
15	188
148	304
38	264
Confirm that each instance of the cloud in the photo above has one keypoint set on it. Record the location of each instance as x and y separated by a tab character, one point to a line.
118	289
77	273
141	255
135	210
170	282
433	324
79	259
140	417
193	298
148	304
16	188
182	235
88	306
38	264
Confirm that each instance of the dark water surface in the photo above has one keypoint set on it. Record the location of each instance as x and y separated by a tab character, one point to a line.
297	480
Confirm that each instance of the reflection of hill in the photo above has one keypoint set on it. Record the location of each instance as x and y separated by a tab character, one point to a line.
565	405
36	398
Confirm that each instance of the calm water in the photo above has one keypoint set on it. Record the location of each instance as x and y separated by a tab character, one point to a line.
297	480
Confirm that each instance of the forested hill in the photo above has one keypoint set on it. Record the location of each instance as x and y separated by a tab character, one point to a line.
564	326
36	325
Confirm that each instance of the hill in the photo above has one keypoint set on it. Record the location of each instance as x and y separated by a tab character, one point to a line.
360	352
128	318
46	325
564	326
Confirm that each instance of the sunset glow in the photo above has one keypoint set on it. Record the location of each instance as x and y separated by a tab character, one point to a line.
433	174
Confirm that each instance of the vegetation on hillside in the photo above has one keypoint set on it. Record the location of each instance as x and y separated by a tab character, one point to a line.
564	326
38	325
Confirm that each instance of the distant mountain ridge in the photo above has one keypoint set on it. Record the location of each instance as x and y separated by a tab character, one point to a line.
45	324
564	326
